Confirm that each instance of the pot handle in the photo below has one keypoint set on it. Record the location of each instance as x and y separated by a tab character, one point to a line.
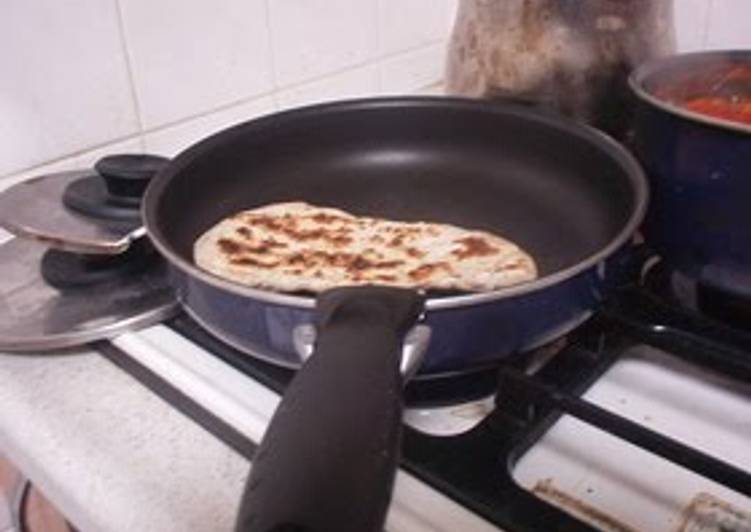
328	459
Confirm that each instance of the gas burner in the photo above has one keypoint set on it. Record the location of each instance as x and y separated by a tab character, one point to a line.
471	390
678	289
728	308
423	391
670	285
449	420
500	452
450	392
452	388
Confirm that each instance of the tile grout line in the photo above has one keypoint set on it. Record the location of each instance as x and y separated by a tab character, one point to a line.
708	10
378	39
72	155
272	54
375	61
129	69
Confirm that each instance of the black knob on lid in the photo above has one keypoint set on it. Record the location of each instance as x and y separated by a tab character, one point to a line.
128	175
115	191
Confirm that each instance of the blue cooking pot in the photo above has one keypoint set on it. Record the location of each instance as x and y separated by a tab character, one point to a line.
699	168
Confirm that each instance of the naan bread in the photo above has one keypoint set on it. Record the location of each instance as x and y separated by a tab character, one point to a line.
295	246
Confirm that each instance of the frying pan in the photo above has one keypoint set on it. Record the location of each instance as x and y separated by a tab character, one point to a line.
567	194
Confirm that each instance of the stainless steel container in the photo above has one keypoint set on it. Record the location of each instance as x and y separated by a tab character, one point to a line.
570	55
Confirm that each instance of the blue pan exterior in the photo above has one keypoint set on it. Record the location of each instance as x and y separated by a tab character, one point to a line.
463	337
699	218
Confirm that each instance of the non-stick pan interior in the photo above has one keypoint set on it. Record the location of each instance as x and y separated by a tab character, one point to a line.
556	190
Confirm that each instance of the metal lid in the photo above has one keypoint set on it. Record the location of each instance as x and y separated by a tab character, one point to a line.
92	211
34	315
33	209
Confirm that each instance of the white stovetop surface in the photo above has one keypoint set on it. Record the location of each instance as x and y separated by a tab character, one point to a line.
109	453
115	457
583	469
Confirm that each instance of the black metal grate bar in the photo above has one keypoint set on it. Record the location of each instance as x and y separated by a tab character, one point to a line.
694	338
636	434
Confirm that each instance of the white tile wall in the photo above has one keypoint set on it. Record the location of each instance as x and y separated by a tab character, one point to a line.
312	38
729	24
130	145
171	140
189	56
412	70
60	165
362	81
63	80
82	78
691	22
403	25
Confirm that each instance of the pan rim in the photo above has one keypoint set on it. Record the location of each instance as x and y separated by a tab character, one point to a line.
634	173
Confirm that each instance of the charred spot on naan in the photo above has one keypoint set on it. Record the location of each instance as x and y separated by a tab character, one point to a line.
230	247
423	272
323	218
473	246
250	261
397	241
289	227
244	232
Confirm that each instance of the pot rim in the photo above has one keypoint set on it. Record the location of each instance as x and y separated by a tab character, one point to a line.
638	78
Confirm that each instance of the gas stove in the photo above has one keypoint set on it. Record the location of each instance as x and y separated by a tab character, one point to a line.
637	421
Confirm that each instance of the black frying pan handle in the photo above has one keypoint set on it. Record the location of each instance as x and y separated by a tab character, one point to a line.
328	459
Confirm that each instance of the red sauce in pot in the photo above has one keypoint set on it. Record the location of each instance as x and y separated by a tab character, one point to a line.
735	109
725	95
